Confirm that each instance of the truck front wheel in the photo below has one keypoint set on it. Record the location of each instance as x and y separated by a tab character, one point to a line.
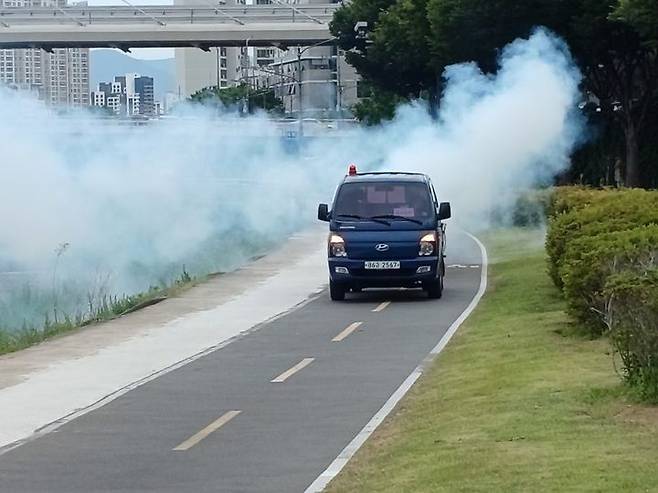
336	291
435	288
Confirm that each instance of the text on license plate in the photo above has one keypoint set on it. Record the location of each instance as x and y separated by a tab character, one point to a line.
382	265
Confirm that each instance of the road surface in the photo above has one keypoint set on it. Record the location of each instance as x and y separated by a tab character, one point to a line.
266	413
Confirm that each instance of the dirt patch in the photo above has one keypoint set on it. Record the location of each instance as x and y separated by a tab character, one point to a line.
640	415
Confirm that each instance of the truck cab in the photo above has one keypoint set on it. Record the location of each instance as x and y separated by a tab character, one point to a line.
385	230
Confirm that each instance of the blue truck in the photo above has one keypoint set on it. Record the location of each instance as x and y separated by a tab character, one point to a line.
385	230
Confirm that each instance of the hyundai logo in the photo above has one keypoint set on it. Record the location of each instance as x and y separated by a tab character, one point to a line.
382	247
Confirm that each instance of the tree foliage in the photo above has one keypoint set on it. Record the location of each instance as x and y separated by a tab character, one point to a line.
238	98
410	42
465	30
641	14
620	71
358	54
393	58
379	106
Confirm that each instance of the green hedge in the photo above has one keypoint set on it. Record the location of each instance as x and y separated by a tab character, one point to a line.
566	199
593	214
602	247
632	316
590	260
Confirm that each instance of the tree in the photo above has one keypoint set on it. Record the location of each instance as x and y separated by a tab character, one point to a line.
476	30
641	14
234	98
343	25
412	41
393	57
620	70
377	107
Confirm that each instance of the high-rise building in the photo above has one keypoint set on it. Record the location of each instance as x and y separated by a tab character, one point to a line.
59	77
127	95
197	69
314	82
144	87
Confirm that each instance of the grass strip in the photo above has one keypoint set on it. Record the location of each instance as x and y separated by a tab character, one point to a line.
516	402
110	307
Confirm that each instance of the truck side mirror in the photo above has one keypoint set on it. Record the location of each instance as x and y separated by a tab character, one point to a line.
323	212
444	211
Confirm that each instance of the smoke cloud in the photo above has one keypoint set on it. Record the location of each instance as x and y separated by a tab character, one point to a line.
91	207
501	134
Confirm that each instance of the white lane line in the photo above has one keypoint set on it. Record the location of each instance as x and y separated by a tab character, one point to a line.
212	427
350	328
289	373
348	452
381	306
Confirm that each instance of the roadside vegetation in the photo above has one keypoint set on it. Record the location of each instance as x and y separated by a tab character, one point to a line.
240	99
524	398
603	254
42	305
99	309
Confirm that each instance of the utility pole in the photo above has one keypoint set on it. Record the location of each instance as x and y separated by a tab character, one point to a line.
248	63
217	53
339	86
299	84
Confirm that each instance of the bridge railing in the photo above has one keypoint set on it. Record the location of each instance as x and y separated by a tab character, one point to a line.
166	14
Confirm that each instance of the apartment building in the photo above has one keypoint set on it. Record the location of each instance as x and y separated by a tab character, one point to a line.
314	82
197	69
128	95
60	77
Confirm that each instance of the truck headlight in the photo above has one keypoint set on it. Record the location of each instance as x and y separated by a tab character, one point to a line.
427	245
337	246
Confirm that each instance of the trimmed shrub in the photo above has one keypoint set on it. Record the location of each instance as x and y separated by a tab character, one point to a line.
566	199
590	260
610	212
632	316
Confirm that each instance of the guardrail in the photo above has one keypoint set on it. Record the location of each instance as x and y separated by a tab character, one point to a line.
140	26
163	15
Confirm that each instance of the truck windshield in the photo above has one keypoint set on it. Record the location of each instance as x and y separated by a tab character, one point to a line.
366	200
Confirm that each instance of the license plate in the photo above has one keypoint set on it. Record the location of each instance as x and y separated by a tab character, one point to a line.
383	265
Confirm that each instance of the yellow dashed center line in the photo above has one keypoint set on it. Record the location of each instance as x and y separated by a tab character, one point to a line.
289	373
212	427
381	306
347	331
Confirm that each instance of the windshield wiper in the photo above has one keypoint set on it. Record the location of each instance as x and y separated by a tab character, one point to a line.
393	216
361	218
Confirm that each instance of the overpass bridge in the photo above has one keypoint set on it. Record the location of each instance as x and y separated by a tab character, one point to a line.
200	26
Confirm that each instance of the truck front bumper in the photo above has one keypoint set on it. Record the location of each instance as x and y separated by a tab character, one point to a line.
412	273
